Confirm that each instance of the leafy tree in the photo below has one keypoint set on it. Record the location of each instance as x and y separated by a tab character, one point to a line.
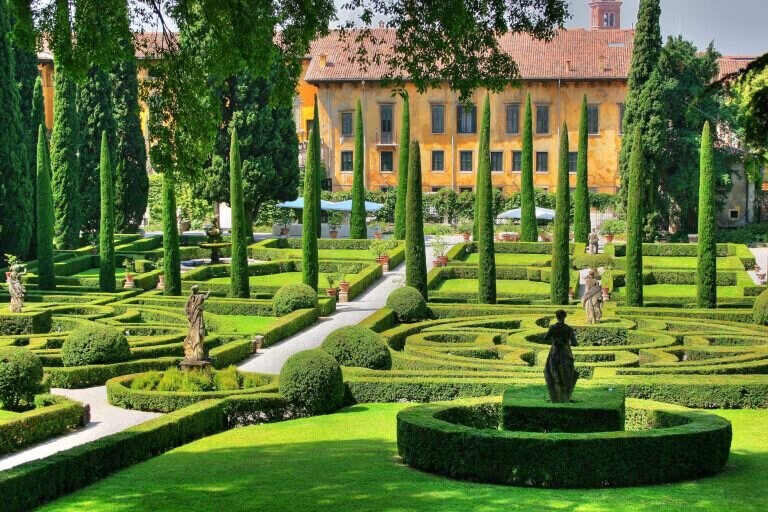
94	109
486	275
706	282
65	169
748	92
446	203
560	250
581	220
635	212
46	279
15	184
239	286
529	231
310	233
402	169
107	220
357	227
415	253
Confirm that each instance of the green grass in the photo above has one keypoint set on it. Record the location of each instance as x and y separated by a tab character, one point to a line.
331	254
7	415
94	272
503	286
522	260
348	462
684	290
280	279
685	263
242	324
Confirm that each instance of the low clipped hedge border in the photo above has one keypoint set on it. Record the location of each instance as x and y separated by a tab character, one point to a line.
32	322
41	424
34	483
683	445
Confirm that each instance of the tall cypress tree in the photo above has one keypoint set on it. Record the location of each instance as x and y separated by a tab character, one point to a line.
581	221
239	286
415	253
15	184
310	233
635	212
357	228
94	109
46	279
107	219
560	250
486	275
706	283
402	170
64	139
528	228
171	254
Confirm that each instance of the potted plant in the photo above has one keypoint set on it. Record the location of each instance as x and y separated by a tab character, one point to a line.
334	221
377	231
284	219
333	279
343	284
611	227
129	281
466	231
379	249
439	248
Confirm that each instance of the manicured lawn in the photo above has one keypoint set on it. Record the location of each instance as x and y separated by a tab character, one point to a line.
94	272
676	262
244	324
7	415
515	259
333	254
275	279
348	462
503	286
684	290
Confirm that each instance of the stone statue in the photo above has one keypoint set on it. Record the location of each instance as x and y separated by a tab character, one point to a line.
592	301
194	351
560	372
594	242
15	289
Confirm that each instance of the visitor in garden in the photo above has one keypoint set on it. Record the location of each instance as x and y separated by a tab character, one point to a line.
560	372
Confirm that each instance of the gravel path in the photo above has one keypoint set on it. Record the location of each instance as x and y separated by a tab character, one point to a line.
761	256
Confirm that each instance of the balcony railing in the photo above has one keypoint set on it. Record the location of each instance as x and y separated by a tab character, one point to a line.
385	139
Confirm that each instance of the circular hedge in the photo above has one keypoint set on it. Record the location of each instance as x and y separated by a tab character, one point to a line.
21	372
95	344
408	304
760	309
358	346
312	381
292	297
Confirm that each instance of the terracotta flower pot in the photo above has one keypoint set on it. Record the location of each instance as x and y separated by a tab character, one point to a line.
344	286
331	292
466	236
606	295
507	237
333	233
609	238
284	231
377	235
515	237
129	281
443	260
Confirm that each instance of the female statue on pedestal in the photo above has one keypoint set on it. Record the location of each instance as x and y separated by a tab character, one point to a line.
560	372
15	289
592	301
194	350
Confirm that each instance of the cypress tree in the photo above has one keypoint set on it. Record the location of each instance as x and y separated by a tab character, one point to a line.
38	105
706	283
528	228
46	279
635	212
402	170
415	254
171	253
581	221
559	279
107	219
357	228
309	265
94	108
239	286
64	139
16	203
486	276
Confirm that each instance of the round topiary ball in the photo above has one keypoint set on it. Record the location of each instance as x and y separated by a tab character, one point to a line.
20	375
408	304
292	297
358	346
760	309
311	380
95	344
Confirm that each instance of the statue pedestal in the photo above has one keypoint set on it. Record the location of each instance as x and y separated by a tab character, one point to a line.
193	365
343	297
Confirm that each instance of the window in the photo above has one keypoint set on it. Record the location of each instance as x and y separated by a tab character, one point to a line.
438	118
497	161
385	112
466	119
465	161
621	118
385	188
542	119
573	158
513	118
465	189
542	161
734	214
436	189
309	126
517	161
346	124
386	161
438	161
346	161
593	119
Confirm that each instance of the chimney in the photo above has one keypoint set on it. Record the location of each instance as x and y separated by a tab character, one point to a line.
322	60
605	14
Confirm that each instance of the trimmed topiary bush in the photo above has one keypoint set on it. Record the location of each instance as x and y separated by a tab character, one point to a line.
760	309
311	213
95	344
358	346
20	375
635	213
706	284
291	297
357	227
415	254
528	230
312	382
560	249
408	304
484	215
